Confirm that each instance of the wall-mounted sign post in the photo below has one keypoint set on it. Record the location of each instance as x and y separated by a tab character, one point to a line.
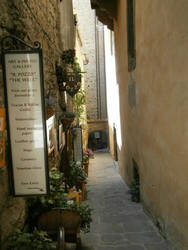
77	144
24	97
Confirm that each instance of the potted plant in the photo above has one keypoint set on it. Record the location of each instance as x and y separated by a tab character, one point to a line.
57	201
89	153
71	216
68	56
76	175
38	240
85	213
69	73
41	204
86	164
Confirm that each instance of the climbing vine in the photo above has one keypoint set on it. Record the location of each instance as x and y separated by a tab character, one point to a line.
79	107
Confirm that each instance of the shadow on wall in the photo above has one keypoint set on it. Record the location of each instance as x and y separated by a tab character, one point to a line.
98	140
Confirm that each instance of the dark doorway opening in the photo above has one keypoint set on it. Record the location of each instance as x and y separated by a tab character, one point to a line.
135	185
98	140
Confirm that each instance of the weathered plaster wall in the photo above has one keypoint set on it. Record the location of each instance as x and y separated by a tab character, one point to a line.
155	132
29	20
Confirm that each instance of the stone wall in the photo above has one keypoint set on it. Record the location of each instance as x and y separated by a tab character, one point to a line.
86	27
97	125
29	20
101	71
154	120
67	27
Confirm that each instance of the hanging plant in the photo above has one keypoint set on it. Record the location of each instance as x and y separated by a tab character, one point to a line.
69	74
73	84
68	56
61	74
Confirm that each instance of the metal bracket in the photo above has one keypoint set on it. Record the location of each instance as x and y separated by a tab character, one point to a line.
12	42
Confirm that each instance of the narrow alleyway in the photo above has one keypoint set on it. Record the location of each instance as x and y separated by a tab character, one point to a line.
118	223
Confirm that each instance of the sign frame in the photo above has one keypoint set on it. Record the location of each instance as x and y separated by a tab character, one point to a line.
13	45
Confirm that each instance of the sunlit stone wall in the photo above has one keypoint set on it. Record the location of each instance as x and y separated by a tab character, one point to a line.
29	20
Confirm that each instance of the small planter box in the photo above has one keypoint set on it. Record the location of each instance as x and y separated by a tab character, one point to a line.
83	190
74	195
86	168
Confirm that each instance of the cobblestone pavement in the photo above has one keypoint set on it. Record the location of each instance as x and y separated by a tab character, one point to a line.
118	223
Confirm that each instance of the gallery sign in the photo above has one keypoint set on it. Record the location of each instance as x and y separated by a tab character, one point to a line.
23	78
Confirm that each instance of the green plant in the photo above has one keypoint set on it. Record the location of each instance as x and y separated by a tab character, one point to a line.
85	212
37	240
69	73
68	56
61	74
40	204
57	196
79	106
76	67
85	158
59	199
76	175
135	190
89	153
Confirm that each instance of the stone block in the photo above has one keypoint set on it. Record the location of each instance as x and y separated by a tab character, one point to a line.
13	216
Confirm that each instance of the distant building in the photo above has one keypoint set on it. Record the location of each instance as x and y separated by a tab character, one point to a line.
91	32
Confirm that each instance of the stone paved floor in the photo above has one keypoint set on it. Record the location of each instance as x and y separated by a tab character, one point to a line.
118	223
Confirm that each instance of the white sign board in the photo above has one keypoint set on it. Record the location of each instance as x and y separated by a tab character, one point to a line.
27	135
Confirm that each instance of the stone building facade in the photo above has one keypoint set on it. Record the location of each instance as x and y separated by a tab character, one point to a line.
86	27
43	21
92	35
153	105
